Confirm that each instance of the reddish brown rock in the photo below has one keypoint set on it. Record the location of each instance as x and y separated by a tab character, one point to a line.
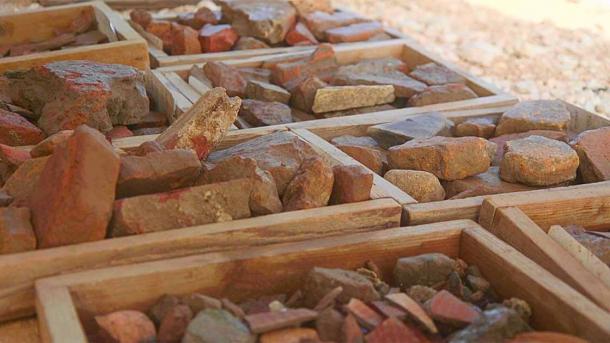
89	38
425	270
304	93
482	184
126	326
538	161
388	310
270	321
163	30
300	35
322	63
421	185
201	17
267	92
311	187
420	126
353	33
23	181
441	94
255	74
414	310
119	132
157	172
16	233
146	148
308	6
366	316
67	94
404	86
72	200
291	335
319	22
217	38
263	113
447	308
534	115
227	77
500	141
338	98
445	157
392	330
141	17
351	184
321	281
185	40
163	305
10	159
329	324
364	150
218	202
204	125
250	43
264	198
174	324
351	331
434	74
16	130
477	127
49	44
593	148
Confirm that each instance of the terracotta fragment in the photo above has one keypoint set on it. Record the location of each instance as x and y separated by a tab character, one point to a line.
593	151
263	113
321	281
351	184
300	35
339	98
292	335
392	330
22	182
16	130
184	40
421	185
447	308
311	186
414	310
434	74
319	22
269	321
478	127
174	324
365	315
534	115
16	233
217	38
227	77
353	33
126	327
250	43
47	146
267	92
440	94
364	150
500	141
420	126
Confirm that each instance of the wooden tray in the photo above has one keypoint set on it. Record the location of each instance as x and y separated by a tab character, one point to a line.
19	271
523	220
125	46
67	304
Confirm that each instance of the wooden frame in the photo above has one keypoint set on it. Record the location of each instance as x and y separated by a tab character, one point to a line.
21	270
523	220
66	304
125	46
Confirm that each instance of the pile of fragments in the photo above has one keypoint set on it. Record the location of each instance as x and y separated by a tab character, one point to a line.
245	25
434	299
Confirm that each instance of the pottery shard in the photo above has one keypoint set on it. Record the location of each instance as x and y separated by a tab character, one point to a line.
264	198
404	86
201	17
126	326
217	38
16	233
304	93
447	308
353	33
118	132
366	316
392	330
204	125
482	184
269	321
72	200
268	20
163	30
184	40
227	77
477	127
421	126
321	63
291	335
446	157
319	22
496	325
304	7
534	115
364	150
16	130
280	153
339	98
255	74
10	159
67	94
22	182
351	184
141	17
434	74
320	281
157	172
538	161
421	185
328	325
425	269
213	325
593	148
500	141
89	38
250	43
174	324
263	113
264	91
311	187
441	94
300	35
217	202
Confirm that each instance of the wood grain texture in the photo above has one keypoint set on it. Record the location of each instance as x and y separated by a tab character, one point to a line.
432	212
20	331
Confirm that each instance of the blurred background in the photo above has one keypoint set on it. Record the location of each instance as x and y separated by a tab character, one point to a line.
533	49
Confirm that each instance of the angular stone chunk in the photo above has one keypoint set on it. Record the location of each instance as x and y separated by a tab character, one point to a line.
477	127
534	115
217	38
320	281
421	126
328	325
157	172
538	161
404	86
421	185
593	148
447	308
67	94
413	309
321	63
280	153
366	316
446	157
22	182
425	270
201	17
217	202
434	74
304	93
16	130
163	30
126	326
184	40
118	132
441	94
364	150
16	233
353	33
291	335
345	97
311	187
482	184
494	325
500	141
267	92
392	330
174	324
141	17
308	6
10	159
269	321
255	74
319	22
204	125
300	35
72	200
263	113
250	43
264	198
351	184
211	326
268	20
227	77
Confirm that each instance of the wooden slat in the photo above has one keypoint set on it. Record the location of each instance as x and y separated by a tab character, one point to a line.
431	212
20	331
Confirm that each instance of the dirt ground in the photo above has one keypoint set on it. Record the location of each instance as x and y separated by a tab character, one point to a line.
533	49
